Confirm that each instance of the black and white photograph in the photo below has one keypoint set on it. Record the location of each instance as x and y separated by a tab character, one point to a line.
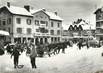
51	36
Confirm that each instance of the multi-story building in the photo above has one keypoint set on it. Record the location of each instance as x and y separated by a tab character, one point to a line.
17	21
99	23
23	23
48	26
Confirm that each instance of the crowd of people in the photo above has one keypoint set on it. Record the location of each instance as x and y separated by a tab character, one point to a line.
34	50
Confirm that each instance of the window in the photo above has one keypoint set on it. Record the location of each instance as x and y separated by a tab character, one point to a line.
37	30
18	20
58	24
55	39
42	22
19	30
101	30
0	22
28	21
9	29
9	21
52	39
4	22
46	23
42	30
28	30
51	24
58	39
36	22
101	22
37	16
52	32
58	32
97	24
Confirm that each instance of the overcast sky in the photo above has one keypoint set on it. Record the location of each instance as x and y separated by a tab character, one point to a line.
69	10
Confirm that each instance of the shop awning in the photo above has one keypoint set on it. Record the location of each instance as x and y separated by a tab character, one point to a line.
4	33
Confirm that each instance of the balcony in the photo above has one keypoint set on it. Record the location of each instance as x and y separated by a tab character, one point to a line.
43	25
99	27
99	34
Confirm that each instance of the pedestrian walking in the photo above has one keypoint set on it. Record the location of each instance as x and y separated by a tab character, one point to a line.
87	43
79	45
33	55
64	46
16	55
2	51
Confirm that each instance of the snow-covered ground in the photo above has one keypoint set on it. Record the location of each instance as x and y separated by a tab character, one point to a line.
73	61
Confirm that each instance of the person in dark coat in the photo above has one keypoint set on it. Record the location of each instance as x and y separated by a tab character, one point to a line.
33	55
87	45
2	51
79	45
8	48
16	55
64	46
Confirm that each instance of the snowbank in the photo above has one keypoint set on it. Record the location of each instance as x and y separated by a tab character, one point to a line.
73	61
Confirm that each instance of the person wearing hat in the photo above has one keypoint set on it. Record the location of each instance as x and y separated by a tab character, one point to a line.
33	55
16	55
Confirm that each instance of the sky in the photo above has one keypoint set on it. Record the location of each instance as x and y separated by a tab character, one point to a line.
68	10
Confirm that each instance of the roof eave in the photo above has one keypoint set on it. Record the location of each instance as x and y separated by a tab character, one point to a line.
18	14
41	11
57	19
22	15
97	10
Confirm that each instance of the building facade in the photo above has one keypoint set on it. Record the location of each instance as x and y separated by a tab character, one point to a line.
99	23
17	21
81	29
41	27
23	24
66	36
48	26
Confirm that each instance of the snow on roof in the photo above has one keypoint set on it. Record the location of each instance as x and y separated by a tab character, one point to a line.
53	15
35	10
50	14
84	25
18	10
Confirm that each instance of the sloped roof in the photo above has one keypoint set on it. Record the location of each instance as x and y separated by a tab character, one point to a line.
33	11
99	9
18	10
53	15
84	25
50	14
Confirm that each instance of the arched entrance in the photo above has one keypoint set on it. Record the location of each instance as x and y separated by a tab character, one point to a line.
46	40
41	40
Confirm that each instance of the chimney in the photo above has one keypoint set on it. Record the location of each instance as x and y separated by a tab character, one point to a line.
55	13
44	9
27	7
8	4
